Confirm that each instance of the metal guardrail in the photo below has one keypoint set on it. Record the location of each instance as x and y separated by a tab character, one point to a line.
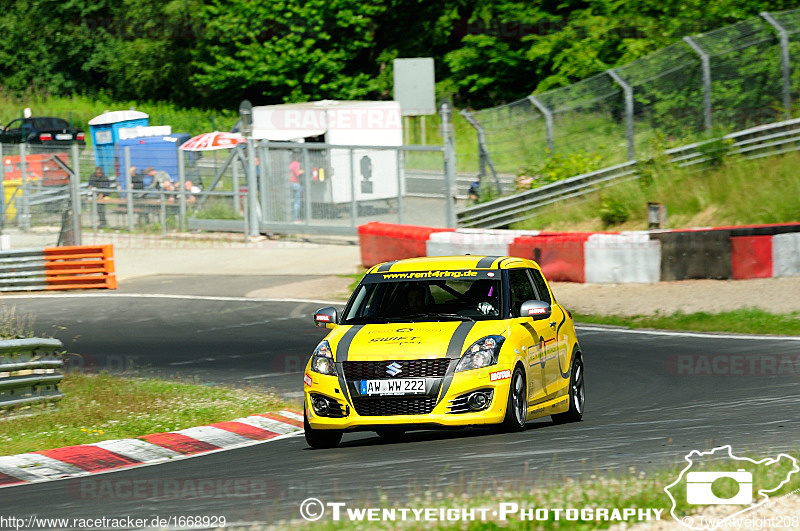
28	371
756	142
505	210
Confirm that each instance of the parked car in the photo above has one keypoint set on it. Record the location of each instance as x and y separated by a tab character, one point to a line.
42	131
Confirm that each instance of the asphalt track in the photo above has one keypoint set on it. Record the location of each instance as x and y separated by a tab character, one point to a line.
644	410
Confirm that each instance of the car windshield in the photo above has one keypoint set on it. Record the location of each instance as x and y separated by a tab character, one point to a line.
430	299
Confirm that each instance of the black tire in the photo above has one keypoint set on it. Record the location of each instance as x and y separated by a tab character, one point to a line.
517	406
391	434
577	394
321	438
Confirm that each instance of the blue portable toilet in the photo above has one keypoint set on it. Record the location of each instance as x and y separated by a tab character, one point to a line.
105	134
160	152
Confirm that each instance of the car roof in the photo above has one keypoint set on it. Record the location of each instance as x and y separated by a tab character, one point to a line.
453	263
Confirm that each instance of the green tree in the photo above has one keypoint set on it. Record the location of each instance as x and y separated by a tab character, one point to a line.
287	51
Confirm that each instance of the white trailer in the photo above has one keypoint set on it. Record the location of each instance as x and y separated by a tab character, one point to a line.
340	123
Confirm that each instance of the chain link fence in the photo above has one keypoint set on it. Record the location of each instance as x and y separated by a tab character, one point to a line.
728	79
299	188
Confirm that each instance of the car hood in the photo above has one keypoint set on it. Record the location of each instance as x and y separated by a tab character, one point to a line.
401	341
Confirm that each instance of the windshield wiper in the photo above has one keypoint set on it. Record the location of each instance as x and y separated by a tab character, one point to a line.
442	315
366	319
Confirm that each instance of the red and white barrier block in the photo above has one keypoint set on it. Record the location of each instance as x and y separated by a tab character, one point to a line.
786	255
473	241
103	456
620	258
754	251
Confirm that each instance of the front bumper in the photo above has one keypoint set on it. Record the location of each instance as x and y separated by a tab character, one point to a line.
354	413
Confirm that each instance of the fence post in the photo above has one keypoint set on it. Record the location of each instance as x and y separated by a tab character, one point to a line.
23	221
704	60
93	197
129	188
263	167
628	111
235	173
785	65
75	192
2	191
305	179
162	213
353	204
240	198
252	187
400	176
181	195
548	121
449	166
483	150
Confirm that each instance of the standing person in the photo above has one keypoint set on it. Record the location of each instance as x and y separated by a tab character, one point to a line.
295	171
137	179
99	180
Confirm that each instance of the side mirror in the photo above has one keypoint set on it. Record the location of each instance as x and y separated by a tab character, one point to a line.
536	309
327	317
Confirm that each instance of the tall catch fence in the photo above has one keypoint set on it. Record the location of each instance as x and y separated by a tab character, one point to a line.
725	80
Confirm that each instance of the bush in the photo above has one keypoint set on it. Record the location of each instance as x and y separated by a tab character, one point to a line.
559	167
613	211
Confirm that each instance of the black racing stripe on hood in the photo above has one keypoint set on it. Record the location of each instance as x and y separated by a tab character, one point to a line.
456	345
386	267
343	347
454	350
486	261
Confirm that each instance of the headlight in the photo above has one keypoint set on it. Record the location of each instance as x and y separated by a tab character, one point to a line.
322	359
480	354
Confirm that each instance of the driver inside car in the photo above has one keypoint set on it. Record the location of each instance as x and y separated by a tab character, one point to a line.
415	299
485	294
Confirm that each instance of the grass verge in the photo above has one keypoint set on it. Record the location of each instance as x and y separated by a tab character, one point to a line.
736	193
101	406
744	321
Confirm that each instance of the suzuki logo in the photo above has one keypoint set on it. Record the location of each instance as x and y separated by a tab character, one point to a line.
394	368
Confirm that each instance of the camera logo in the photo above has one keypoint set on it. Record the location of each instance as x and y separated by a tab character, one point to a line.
723	488
699	488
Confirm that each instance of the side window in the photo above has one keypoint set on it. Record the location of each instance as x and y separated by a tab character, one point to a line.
541	286
14	125
521	289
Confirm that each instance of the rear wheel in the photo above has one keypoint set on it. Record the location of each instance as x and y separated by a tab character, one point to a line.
391	434
320	438
517	407
577	394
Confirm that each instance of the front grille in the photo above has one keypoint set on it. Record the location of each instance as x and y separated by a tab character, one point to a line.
373	407
376	370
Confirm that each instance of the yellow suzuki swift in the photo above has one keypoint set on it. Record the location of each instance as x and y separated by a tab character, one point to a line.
442	342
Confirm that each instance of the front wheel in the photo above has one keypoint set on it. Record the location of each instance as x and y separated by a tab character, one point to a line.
577	395
320	438
517	407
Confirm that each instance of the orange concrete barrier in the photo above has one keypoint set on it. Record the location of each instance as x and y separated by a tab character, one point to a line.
80	267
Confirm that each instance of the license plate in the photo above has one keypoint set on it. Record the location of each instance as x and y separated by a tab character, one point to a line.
63	136
404	386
